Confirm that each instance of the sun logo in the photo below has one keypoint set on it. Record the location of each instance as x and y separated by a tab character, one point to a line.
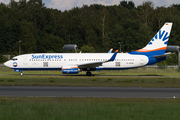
15	64
159	38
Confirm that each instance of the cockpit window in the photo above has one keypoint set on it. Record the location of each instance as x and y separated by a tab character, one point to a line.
14	59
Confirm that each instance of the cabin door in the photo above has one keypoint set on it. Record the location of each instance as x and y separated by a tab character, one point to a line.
25	61
141	61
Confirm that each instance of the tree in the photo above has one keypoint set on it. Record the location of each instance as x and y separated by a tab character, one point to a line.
175	36
44	29
35	13
3	59
116	36
176	6
104	28
160	16
144	36
145	12
28	37
127	4
51	43
87	49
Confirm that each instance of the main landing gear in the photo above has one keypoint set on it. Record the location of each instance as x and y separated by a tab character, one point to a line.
88	73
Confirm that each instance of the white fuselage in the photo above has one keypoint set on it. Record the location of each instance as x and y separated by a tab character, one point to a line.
54	61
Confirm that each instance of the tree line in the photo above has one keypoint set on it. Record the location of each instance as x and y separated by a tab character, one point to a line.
39	29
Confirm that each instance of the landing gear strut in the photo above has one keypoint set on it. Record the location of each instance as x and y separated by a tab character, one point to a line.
21	73
88	73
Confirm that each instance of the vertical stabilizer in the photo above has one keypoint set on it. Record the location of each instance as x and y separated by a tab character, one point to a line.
158	44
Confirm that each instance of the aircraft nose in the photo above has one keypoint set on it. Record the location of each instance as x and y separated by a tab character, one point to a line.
7	64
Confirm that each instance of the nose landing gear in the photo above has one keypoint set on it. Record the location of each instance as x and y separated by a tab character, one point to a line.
21	73
17	70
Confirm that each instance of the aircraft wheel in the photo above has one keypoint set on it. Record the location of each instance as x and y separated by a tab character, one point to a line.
88	73
21	73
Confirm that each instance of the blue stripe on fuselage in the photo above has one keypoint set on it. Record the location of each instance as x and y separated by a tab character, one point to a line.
37	68
150	55
84	69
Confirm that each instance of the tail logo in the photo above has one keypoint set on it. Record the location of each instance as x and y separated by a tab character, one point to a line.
159	36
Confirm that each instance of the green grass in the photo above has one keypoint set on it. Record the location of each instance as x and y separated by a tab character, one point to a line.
37	108
138	71
114	81
141	77
61	108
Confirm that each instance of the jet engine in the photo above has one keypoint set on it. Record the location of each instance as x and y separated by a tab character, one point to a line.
70	70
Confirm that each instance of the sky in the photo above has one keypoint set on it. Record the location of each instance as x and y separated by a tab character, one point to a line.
69	4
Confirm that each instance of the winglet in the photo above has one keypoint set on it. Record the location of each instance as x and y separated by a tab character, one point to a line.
110	51
114	56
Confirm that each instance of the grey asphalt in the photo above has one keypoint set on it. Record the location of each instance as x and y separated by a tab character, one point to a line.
112	92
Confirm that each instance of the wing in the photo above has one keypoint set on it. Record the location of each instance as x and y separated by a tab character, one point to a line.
90	65
97	64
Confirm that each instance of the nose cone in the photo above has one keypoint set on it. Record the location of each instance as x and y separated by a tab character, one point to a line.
7	64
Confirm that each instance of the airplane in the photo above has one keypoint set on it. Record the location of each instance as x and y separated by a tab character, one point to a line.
73	63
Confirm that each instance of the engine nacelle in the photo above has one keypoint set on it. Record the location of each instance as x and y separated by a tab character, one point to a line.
70	70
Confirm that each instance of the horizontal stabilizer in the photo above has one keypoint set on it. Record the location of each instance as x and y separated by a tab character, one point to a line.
160	56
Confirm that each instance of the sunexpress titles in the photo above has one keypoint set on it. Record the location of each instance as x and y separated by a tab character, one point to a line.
43	56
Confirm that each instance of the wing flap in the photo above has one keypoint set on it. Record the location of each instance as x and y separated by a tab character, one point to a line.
90	65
